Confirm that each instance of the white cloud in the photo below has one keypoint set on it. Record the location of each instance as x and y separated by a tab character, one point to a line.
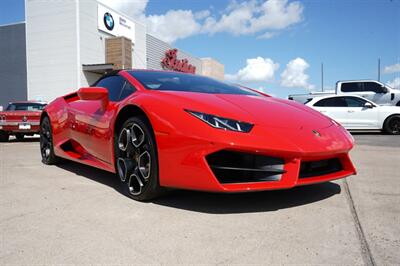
173	25
247	17
256	70
267	35
202	14
265	90
133	8
394	83
392	68
254	16
294	74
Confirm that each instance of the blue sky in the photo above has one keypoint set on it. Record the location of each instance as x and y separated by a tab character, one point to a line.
347	36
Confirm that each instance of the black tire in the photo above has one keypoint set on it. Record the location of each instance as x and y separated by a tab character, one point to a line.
19	136
46	143
392	125
136	159
398	104
4	136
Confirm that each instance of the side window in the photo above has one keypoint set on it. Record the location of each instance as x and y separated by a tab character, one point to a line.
355	102
332	102
126	91
322	103
372	86
114	86
352	87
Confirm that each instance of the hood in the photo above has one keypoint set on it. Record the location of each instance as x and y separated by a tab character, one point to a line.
259	110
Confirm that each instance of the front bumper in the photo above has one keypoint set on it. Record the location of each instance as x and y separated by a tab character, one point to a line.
183	159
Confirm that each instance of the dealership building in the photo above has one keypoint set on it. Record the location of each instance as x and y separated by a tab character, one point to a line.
64	45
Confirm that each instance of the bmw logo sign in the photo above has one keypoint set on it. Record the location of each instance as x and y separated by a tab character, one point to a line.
108	21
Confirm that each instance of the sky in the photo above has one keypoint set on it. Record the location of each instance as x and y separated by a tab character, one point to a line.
274	45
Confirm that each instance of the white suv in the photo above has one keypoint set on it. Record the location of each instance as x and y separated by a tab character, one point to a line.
357	113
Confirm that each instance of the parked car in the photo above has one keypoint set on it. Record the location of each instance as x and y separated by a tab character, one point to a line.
20	119
371	90
167	129
357	113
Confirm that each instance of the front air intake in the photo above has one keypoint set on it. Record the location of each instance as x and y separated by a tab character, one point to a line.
319	168
240	167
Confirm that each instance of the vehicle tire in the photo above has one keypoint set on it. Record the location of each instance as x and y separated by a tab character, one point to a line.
3	136
19	136
398	104
46	143
136	159
392	125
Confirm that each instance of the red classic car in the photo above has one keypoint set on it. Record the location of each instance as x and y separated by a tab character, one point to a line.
20	119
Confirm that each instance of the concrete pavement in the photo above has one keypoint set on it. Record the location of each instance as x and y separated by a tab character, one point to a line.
74	214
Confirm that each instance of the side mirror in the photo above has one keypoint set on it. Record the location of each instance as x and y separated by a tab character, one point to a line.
368	105
94	94
384	89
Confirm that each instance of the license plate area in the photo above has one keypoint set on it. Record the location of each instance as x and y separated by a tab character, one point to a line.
24	126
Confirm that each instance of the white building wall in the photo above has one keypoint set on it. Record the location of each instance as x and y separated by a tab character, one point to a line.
51	48
156	49
139	57
63	35
92	41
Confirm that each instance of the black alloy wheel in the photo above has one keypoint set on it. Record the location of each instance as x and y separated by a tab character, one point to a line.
136	159
392	125
46	142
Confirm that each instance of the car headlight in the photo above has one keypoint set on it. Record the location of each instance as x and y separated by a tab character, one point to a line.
222	123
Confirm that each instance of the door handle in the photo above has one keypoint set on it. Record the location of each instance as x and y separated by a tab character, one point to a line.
323	111
350	111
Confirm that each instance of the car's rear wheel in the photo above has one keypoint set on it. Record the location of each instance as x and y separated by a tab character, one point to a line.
19	136
136	159
392	125
46	143
4	136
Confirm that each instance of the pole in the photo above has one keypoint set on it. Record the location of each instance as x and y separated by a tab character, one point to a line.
379	69
322	76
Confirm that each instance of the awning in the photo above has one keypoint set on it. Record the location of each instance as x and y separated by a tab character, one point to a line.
98	68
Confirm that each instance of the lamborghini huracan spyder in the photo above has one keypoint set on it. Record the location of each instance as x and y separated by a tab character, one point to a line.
159	129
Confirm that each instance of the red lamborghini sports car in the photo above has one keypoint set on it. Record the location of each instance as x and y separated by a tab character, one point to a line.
159	129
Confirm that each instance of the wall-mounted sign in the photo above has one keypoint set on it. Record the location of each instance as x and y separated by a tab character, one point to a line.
171	62
114	24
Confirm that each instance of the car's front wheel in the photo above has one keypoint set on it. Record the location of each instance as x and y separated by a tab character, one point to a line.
4	136
392	125
46	143
136	159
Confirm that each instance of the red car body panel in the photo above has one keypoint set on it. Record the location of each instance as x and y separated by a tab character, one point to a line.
84	132
10	121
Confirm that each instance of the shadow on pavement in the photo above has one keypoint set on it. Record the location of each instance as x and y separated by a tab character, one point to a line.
26	139
368	133
219	203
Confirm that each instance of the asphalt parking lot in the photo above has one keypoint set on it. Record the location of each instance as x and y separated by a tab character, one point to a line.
73	214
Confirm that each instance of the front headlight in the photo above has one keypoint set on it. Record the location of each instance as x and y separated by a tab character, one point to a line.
222	123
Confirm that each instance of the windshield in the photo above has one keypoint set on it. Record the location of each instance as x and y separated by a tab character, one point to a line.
175	81
25	107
